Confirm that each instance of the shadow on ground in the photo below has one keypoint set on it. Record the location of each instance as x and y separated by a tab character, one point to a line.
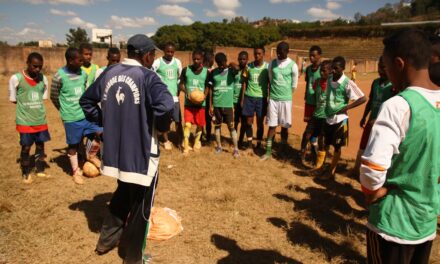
242	256
94	210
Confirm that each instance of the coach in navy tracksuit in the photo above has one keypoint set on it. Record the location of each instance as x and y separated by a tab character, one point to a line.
135	104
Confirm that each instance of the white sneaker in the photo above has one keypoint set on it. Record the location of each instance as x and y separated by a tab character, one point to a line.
168	145
77	177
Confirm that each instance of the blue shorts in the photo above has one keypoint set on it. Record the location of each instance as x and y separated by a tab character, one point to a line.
257	105
28	139
75	131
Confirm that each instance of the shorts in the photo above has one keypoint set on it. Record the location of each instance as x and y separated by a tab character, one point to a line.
194	115
336	135
366	135
75	131
317	126
224	115
28	139
279	113
257	105
237	113
176	117
308	112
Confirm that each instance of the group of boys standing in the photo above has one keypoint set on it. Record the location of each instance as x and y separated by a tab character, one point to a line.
400	170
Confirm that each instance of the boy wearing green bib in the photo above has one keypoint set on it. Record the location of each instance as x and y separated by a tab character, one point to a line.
88	67
312	74
68	85
169	69
239	83
283	76
255	92
400	171
221	84
28	89
342	95
381	90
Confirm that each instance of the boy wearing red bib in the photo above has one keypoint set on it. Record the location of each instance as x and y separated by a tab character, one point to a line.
28	89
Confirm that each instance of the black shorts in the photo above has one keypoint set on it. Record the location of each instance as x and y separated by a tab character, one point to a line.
336	135
224	115
317	126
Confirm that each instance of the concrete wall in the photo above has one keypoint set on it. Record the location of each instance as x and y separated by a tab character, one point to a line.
13	59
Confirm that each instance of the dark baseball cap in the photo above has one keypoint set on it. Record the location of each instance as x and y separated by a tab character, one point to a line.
140	43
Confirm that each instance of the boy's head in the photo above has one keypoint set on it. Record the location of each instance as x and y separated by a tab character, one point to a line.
314	55
434	73
221	60
282	50
113	56
243	57
168	51
74	60
338	67
34	64
86	51
208	59
435	49
259	53
325	69
381	69
197	58
405	52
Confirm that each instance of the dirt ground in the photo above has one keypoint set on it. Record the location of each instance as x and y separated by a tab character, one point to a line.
233	211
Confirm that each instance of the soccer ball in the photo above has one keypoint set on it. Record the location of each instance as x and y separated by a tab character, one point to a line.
90	170
196	96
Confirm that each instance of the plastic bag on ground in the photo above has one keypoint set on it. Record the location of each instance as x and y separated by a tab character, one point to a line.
164	224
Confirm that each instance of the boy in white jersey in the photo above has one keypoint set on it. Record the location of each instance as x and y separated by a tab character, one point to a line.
283	77
401	166
169	69
28	89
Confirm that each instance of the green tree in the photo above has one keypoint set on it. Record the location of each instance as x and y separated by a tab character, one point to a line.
28	44
76	36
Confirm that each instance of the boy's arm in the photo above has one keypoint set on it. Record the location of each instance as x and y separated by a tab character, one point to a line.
367	108
46	89
354	93
161	100
386	135
183	81
13	84
245	76
89	102
294	77
55	90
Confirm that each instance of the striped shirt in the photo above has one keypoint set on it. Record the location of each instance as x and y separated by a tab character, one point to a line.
57	84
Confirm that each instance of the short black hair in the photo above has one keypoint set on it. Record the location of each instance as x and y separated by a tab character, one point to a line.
198	52
412	45
34	55
340	60
434	73
316	48
169	44
243	53
113	50
220	58
326	63
85	46
261	48
71	52
435	44
284	46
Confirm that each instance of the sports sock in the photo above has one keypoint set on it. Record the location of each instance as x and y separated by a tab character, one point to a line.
198	135
218	138
234	138
25	160
92	148
269	146
249	131
186	133
73	162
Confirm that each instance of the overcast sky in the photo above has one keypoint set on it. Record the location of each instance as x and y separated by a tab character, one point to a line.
25	20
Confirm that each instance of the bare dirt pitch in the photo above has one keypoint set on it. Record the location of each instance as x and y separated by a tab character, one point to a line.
233	211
